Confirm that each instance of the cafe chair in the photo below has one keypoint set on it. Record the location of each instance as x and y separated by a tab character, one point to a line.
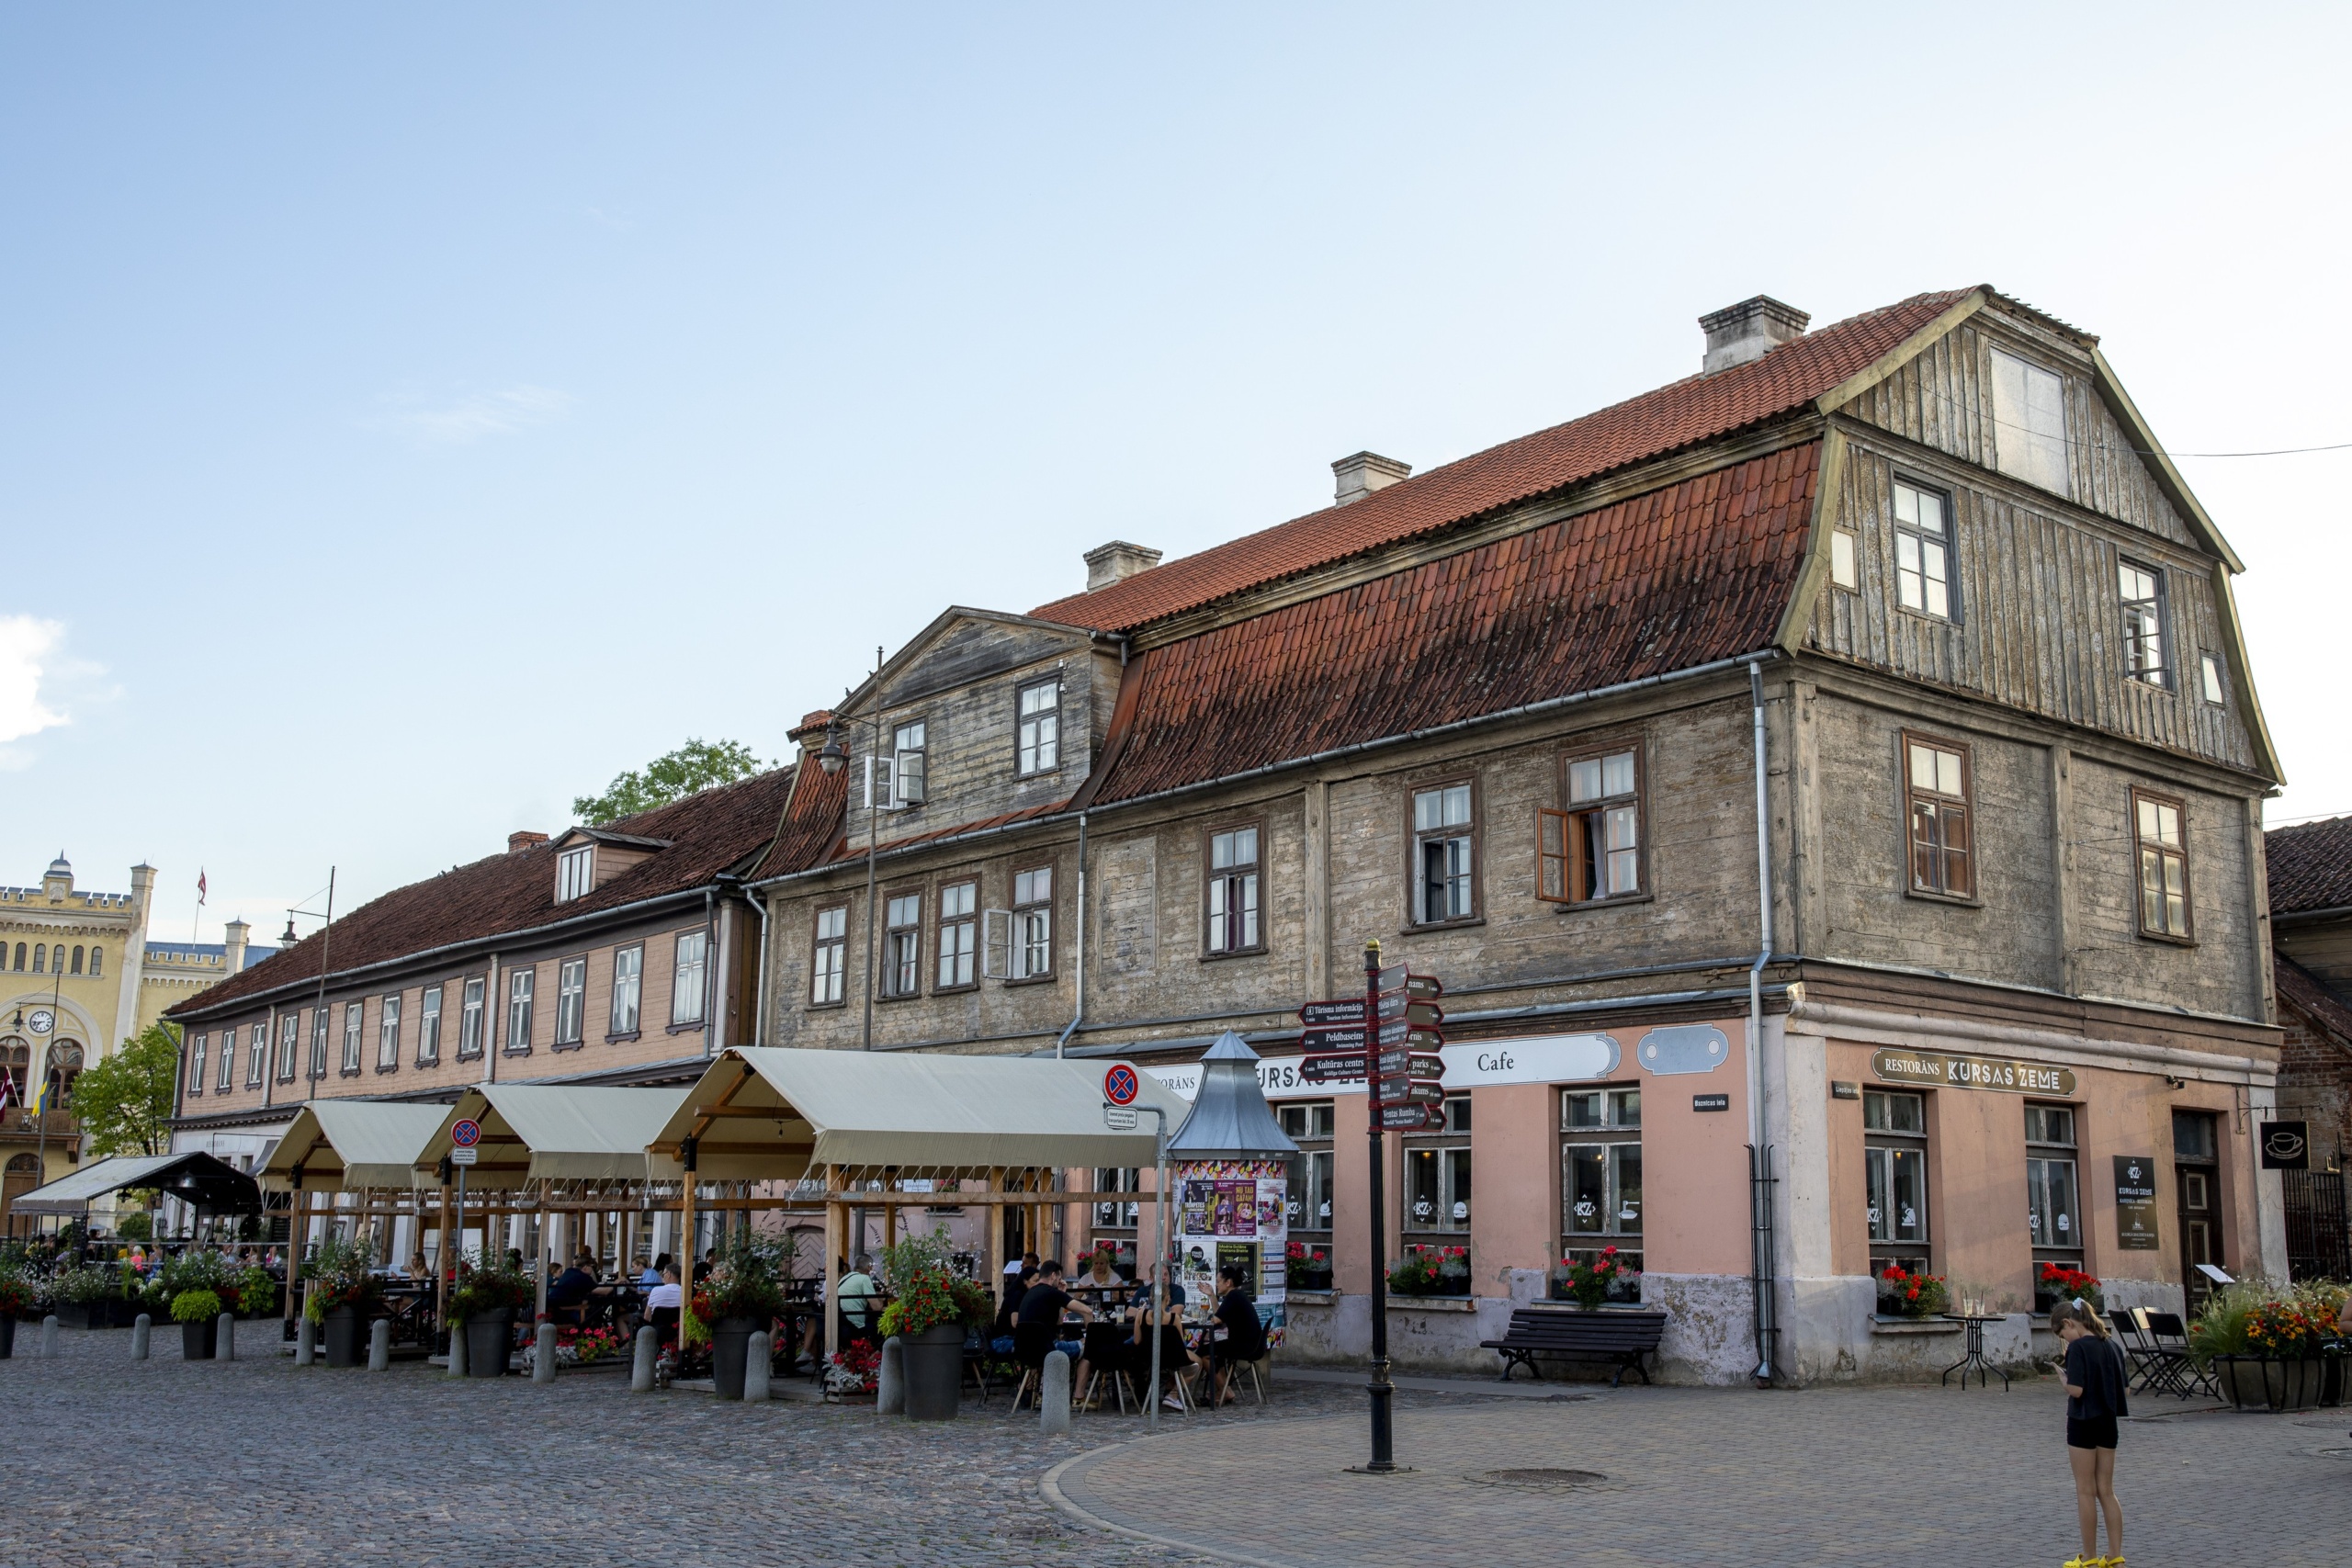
2173	1369
1257	1380
1031	1343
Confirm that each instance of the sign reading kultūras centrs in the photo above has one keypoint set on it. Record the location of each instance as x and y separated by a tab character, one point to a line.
2135	1204
2286	1146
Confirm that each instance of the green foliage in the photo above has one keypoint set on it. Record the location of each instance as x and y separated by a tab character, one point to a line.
494	1287
2255	1318
341	1274
196	1271
921	1275
747	1281
256	1292
137	1226
79	1285
18	1294
124	1103
696	765
194	1306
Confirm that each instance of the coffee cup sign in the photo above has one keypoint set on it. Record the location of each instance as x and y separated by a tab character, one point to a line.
1930	1070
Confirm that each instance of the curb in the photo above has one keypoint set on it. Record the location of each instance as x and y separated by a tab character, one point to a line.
1050	1488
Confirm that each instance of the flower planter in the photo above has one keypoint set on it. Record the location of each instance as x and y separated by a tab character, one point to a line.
933	1366
94	1314
1310	1280
731	1354
2270	1383
342	1329
200	1341
122	1313
489	1340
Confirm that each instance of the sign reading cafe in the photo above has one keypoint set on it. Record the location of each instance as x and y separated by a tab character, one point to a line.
1931	1070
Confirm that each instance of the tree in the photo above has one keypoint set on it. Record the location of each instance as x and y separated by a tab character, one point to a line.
125	1102
696	765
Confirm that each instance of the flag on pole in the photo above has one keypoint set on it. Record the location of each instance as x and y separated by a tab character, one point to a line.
200	884
41	1096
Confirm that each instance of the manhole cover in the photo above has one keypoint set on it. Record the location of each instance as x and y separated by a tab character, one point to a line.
1542	1480
2333	1453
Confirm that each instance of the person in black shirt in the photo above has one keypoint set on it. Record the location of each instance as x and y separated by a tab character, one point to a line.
2095	1382
1042	1309
1245	1336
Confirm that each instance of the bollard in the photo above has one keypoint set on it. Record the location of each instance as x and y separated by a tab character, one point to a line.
758	1364
306	1342
1053	1399
649	1350
224	1337
543	1355
890	1381
143	1331
379	1346
457	1350
49	1334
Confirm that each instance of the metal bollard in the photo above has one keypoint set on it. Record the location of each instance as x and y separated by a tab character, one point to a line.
1053	1399
457	1350
49	1334
224	1337
379	1346
306	1342
649	1350
543	1358
890	1381
758	1367
142	1333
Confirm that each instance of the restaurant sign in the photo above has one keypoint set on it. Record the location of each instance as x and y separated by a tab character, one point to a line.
2135	1202
1928	1069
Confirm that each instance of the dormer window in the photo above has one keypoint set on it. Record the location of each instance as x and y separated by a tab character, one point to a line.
574	873
895	782
1039	721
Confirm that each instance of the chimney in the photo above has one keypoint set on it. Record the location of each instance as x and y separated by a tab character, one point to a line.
235	931
523	838
1116	562
1749	331
1364	472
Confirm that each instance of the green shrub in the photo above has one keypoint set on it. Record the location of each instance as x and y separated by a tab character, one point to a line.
195	1306
255	1290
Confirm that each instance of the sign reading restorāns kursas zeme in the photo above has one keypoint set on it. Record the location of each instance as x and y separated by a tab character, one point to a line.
1931	1070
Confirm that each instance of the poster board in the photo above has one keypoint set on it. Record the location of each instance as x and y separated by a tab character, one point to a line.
1235	1212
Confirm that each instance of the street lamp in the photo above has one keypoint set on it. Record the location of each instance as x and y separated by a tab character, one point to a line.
326	950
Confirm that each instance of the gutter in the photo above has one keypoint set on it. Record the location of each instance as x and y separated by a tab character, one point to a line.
760	1019
1079	1016
1547	705
1760	1154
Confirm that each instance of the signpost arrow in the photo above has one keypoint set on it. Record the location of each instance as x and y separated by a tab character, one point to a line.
1327	1037
1400	1032
1422	1014
1332	1012
1403	1118
1398	1060
1344	1068
1420	987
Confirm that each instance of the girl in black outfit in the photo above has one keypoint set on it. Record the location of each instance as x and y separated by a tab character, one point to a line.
2095	1381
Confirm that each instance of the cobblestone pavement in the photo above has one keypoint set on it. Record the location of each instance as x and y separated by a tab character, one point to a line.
254	1462
1876	1476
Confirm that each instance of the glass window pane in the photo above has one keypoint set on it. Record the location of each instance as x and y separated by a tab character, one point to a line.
1585	1182
1626	1161
1938	603
1842	570
1923	767
1910	1193
1421	1194
1625	1108
1907	552
1618	773
1931	512
1428	807
1245	847
1948	772
1581	1110
1457	806
1584	780
1907	505
1457	1193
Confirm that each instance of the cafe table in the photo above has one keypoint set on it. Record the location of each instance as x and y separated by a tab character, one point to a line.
1972	1351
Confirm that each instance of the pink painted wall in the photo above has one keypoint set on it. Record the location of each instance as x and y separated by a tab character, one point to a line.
1350	1184
1694	1163
1514	1182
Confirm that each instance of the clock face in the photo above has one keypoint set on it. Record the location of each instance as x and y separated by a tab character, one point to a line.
41	1020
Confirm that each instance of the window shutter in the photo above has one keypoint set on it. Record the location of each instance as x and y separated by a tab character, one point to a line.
1551	856
869	784
996	944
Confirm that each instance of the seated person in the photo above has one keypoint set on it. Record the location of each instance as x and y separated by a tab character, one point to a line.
653	1271
419	1271
1042	1307
568	1292
664	1301
1176	1356
1102	1271
858	1296
1009	1309
1245	1334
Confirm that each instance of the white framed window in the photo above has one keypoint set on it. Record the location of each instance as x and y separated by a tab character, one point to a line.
908	770
352	1018
1593	850
829	959
571	1001
687	976
195	1064
2053	1211
2208	668
1114	1208
1844	569
1312	1125
1038	720
519	986
1894	1179
228	1080
1233	891
1601	1172
471	1007
428	1027
1033	923
1444	853
2030	422
1923	550
2141	589
958	933
288	1033
388	1034
1437	1172
573	871
2163	850
1936	793
258	1053
902	945
628	979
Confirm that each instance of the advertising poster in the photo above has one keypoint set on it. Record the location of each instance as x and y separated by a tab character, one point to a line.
2135	1202
1232	1212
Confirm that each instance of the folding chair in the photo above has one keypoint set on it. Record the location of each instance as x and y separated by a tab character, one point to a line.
2140	1353
1031	1343
2169	1336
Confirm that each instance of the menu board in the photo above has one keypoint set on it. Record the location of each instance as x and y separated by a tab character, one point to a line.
2135	1204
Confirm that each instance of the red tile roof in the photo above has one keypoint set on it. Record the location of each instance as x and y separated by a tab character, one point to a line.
2311	865
2300	988
1687	574
1698	409
811	827
710	832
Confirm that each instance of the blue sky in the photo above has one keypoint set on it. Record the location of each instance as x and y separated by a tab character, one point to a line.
412	417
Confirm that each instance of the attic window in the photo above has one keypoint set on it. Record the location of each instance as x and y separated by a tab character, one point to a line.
2030	422
572	872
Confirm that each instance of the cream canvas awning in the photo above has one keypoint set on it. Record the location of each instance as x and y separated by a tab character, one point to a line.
560	1133
765	1114
355	1144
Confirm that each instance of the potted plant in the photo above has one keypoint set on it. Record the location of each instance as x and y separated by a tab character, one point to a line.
2055	1282
198	1313
1306	1268
254	1291
483	1300
1431	1271
1589	1281
931	1309
2270	1346
343	1290
853	1370
87	1292
18	1297
1901	1294
743	1295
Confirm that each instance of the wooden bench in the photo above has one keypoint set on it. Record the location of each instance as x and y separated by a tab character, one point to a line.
1623	1337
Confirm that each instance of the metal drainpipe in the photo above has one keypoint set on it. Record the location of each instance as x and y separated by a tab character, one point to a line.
760	1021
1760	1154
1079	1015
709	963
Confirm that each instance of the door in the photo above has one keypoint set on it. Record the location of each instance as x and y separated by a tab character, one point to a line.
2197	1180
22	1176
